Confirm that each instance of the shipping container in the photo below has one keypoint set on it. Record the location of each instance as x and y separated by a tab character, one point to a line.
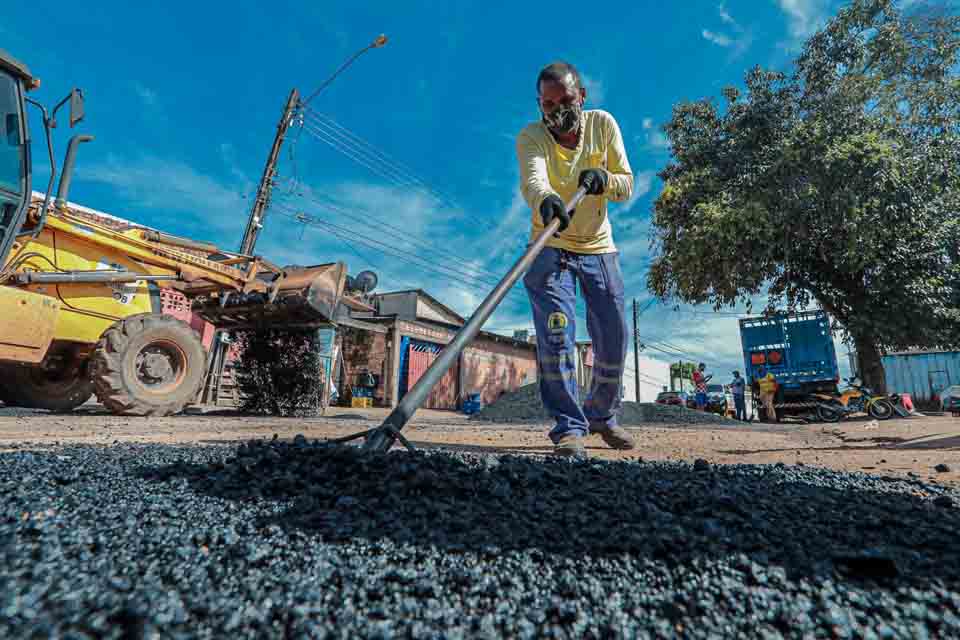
922	374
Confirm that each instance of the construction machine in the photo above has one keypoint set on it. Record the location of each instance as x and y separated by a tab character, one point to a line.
80	310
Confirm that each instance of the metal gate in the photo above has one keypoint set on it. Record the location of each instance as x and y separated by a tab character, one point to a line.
416	356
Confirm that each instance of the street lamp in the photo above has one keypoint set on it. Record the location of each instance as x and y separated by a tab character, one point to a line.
378	42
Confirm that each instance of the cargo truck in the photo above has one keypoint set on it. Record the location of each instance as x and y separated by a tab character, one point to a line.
798	350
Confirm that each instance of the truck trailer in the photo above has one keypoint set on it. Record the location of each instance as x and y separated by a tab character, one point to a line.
798	349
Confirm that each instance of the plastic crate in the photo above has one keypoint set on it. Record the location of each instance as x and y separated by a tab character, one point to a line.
470	407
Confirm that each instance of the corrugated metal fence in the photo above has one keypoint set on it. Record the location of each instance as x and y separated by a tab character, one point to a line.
922	374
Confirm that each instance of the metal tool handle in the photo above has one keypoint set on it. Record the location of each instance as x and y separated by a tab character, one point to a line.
382	438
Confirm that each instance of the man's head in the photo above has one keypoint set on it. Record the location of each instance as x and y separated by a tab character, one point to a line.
560	96
736	374
702	366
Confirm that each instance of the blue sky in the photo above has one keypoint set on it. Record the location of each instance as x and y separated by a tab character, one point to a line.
416	137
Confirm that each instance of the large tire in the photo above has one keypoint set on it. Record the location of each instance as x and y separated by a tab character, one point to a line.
881	410
148	365
6	387
59	384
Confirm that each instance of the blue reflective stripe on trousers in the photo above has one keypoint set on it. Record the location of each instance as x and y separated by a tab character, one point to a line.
551	284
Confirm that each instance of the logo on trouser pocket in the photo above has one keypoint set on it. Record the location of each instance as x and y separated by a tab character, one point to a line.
557	322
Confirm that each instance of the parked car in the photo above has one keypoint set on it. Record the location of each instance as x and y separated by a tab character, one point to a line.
950	399
678	398
716	399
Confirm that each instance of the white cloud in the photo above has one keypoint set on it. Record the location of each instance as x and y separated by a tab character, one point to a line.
229	156
804	16
738	43
717	38
653	139
147	95
174	189
641	186
596	93
725	16
658	140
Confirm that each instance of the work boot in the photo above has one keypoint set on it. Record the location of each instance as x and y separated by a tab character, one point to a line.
615	437
570	446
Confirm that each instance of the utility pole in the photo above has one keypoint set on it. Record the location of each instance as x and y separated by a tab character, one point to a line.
262	200
636	350
249	241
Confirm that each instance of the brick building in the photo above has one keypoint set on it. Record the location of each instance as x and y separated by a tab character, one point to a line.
403	337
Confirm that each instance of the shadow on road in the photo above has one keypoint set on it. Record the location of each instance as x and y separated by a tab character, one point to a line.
812	523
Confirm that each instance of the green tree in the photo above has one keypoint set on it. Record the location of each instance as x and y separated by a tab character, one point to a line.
836	184
279	372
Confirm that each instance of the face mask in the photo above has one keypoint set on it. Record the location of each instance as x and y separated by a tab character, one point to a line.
564	120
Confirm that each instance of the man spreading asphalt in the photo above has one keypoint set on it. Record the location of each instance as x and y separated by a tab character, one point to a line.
738	388
569	148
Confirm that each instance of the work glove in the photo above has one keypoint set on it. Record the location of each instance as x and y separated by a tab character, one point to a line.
553	207
594	180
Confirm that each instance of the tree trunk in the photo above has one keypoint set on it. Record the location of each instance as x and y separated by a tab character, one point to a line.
869	365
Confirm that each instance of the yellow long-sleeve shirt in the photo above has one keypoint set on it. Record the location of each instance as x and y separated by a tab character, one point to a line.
547	167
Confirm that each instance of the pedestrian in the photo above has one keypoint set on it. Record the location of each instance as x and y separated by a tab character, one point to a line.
569	148
738	388
768	389
700	380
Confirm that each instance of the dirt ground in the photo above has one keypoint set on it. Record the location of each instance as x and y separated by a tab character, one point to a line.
902	447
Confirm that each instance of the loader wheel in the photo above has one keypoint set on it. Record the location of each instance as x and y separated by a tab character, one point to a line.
148	365
6	386
59	384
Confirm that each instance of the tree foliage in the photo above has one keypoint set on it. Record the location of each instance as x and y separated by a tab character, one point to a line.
279	372
836	184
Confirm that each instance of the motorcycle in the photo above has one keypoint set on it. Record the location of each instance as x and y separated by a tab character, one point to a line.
856	398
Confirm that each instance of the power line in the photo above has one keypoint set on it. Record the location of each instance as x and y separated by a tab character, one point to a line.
373	160
412	259
336	129
365	217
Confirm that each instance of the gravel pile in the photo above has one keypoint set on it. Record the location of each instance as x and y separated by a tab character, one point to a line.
299	540
525	405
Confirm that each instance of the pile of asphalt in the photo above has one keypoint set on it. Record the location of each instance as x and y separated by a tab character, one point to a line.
301	540
525	405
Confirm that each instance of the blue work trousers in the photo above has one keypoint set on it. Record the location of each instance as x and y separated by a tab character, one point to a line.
551	284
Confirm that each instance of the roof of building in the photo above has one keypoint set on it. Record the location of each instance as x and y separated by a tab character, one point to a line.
430	298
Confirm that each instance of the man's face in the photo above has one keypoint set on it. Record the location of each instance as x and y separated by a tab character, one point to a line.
560	103
703	367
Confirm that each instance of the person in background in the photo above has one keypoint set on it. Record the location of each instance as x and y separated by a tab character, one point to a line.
738	388
700	380
768	388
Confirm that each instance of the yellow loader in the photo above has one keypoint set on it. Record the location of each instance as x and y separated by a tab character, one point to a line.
80	310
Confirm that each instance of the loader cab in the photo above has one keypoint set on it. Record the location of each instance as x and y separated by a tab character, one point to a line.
15	80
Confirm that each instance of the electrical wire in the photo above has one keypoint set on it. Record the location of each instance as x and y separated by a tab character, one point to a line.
365	216
385	170
329	124
409	258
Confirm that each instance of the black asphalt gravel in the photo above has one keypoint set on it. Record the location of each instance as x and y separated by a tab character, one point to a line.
304	541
